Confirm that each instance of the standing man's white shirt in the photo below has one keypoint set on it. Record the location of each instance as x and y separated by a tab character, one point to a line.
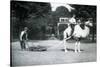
21	36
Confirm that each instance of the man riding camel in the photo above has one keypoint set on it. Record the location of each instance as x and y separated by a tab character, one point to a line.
72	21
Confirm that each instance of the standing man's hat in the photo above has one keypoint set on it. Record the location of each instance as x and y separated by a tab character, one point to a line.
25	28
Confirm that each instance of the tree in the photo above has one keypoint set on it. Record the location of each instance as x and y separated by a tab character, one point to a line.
34	15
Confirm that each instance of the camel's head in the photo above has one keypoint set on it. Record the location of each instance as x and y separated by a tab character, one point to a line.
89	23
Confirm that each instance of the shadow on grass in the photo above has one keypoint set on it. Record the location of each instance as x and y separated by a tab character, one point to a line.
70	49
88	41
82	41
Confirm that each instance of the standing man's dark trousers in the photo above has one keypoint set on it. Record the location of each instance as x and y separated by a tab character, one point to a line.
22	43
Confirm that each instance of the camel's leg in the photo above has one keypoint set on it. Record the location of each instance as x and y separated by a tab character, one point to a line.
65	47
76	46
79	46
64	41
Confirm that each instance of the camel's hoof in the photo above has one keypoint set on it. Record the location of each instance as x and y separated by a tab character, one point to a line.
79	51
75	51
66	51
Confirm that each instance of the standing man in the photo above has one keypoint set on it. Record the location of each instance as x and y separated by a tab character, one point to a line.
23	38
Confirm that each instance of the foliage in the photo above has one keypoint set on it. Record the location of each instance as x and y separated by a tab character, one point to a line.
38	17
